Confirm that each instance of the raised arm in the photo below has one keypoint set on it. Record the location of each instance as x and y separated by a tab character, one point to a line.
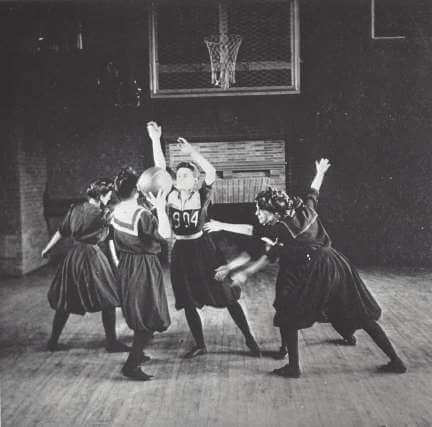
199	159
213	226
159	203
155	132
321	168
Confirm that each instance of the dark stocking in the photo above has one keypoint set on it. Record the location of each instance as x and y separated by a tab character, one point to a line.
108	321
139	341
290	338
237	314
195	325
59	321
380	338
109	324
131	368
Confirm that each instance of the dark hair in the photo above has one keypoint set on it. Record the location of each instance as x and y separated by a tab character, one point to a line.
100	187
125	182
188	165
172	172
277	201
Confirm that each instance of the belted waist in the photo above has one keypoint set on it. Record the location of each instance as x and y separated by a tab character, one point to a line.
189	236
120	251
81	242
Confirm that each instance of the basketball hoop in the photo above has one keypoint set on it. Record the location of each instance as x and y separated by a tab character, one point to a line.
223	50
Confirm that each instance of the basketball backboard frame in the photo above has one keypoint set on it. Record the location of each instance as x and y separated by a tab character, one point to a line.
293	88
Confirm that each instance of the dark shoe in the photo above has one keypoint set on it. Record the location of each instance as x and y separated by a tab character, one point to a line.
281	354
351	340
145	358
117	347
194	352
135	373
253	347
393	367
236	290
288	371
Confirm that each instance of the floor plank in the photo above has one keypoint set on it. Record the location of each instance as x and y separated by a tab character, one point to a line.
82	385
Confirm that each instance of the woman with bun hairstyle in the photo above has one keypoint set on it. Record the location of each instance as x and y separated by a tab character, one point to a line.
84	282
138	235
315	282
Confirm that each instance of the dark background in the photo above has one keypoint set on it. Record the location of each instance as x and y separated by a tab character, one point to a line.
365	104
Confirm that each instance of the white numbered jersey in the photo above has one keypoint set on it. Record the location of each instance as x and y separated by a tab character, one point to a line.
188	216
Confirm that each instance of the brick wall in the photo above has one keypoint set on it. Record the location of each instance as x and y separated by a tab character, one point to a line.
32	168
24	231
10	224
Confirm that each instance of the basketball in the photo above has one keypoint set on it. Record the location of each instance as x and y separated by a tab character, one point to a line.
154	179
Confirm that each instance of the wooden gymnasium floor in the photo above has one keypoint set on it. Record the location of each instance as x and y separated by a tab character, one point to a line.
82	386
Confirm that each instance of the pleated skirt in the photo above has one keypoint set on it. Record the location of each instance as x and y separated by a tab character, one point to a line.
322	286
142	292
84	282
193	264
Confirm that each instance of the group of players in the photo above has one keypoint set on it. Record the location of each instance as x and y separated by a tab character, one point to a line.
315	282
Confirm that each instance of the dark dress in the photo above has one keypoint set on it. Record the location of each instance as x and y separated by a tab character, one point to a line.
193	261
142	290
315	281
85	281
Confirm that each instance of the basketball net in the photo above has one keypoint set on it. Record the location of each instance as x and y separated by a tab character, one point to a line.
223	50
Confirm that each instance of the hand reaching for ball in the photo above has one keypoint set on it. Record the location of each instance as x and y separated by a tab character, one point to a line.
158	201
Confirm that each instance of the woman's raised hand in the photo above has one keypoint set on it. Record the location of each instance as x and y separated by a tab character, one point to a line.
184	146
158	201
154	130
322	166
